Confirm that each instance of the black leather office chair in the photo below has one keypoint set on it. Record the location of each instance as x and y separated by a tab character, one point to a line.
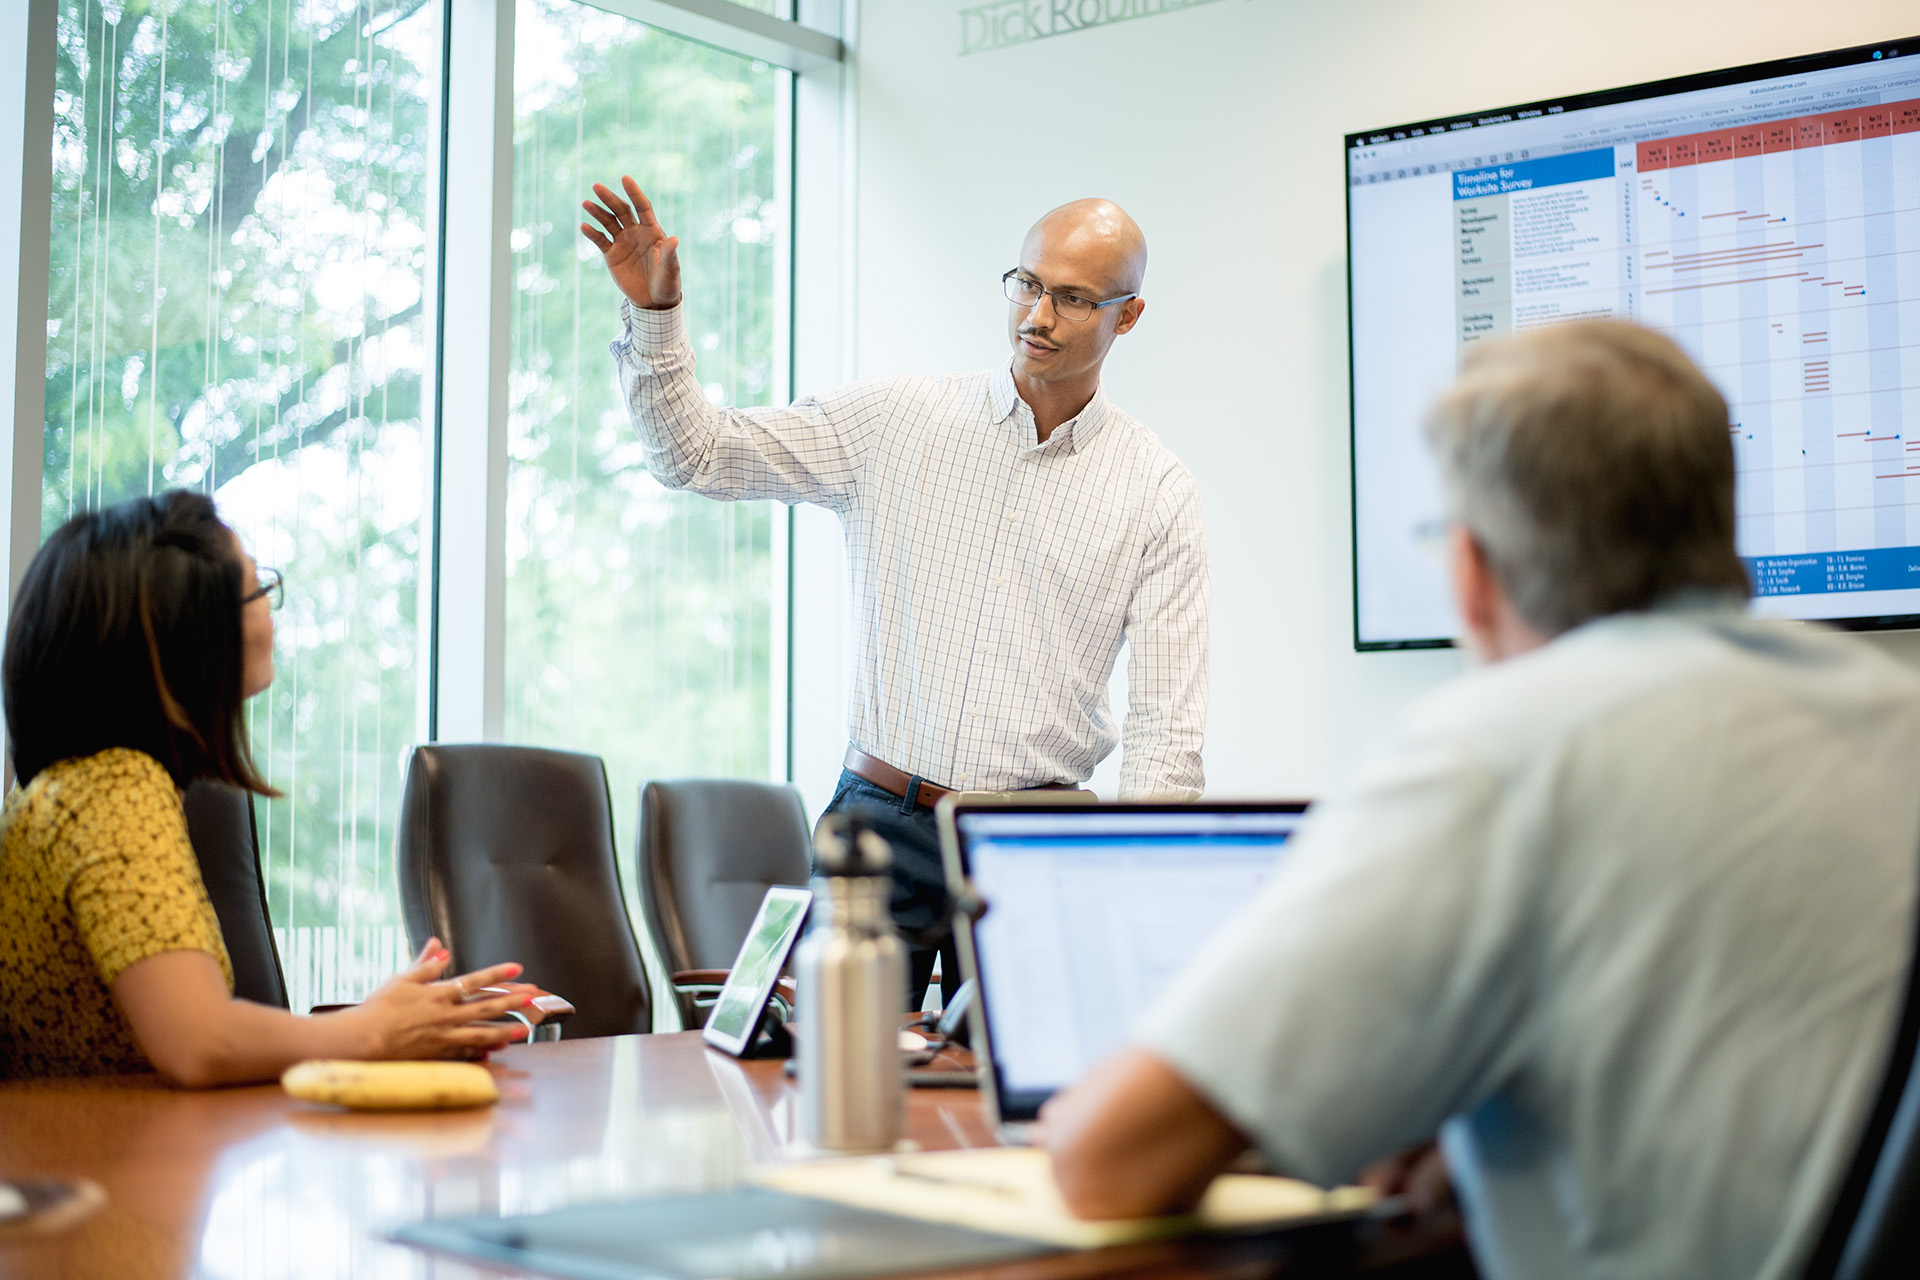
707	851
220	823
506	853
1885	1240
1873	1230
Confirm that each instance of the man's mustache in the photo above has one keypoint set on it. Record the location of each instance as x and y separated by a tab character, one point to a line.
1028	331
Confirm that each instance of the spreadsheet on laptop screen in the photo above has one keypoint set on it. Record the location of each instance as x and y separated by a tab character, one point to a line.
1090	915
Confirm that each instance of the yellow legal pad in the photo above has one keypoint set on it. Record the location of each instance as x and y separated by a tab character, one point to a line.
1010	1191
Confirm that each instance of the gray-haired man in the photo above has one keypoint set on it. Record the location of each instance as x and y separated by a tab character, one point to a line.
1622	914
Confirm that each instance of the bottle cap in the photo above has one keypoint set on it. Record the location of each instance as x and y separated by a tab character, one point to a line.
846	846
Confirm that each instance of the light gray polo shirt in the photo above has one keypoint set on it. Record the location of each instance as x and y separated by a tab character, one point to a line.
1629	914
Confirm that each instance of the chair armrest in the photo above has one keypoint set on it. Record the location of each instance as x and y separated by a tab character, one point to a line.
696	990
554	1010
694	993
700	977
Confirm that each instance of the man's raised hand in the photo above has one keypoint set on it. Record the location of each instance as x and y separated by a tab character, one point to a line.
642	259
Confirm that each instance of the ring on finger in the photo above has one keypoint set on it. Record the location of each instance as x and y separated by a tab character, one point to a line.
461	984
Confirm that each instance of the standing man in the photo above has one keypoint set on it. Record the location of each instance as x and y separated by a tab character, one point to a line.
1006	531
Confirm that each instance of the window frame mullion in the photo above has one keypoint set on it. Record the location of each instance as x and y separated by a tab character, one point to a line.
466	617
803	46
28	53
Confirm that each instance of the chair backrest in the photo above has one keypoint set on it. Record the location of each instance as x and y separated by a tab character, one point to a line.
506	853
708	850
1873	1229
221	825
1885	1240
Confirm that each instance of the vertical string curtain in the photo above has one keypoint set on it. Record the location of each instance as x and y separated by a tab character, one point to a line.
237	256
638	620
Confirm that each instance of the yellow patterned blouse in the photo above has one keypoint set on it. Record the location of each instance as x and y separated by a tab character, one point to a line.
96	872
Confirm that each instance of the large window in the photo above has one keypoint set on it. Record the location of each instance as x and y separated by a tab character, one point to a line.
241	301
235	305
640	622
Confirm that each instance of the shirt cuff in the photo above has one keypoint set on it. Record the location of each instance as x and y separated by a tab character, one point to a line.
652	334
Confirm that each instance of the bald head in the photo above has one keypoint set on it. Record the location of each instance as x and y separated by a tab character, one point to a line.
1081	268
1098	231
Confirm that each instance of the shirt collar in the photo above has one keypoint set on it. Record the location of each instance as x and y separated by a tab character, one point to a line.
1070	436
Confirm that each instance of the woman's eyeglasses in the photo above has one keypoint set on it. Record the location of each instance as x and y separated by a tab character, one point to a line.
272	586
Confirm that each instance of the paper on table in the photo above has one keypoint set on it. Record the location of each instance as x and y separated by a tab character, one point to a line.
1010	1191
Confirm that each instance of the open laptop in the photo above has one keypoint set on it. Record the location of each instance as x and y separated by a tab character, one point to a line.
1090	911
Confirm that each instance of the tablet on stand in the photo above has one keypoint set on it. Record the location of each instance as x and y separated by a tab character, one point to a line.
741	1023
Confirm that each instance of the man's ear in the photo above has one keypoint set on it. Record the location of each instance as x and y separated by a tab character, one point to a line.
1130	312
1476	596
1490	627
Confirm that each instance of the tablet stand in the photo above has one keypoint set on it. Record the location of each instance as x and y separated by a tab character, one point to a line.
771	1039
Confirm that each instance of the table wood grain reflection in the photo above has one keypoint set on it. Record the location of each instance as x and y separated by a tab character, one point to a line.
250	1183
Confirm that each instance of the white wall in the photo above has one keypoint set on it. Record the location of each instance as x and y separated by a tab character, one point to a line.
1220	128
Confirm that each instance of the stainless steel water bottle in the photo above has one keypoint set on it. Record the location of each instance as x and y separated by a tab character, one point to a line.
852	974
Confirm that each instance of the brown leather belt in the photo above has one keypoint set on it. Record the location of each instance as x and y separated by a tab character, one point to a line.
891	780
894	782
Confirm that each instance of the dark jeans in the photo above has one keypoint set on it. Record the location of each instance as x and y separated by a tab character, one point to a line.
919	882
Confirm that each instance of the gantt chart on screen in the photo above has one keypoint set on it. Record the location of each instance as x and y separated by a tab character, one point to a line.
1771	227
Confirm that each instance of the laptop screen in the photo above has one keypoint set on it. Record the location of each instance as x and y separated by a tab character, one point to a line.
1091	911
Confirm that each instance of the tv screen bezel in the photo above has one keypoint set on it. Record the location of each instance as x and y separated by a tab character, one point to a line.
1894	49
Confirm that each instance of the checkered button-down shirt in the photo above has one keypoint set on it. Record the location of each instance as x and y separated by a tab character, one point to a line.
994	577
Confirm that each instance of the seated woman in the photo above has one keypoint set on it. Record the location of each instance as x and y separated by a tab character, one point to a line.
136	637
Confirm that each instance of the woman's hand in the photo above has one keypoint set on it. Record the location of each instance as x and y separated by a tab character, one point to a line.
415	1014
195	1033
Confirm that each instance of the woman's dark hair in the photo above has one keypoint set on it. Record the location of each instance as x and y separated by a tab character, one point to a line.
126	632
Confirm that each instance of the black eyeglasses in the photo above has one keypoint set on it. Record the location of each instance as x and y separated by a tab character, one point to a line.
1025	290
272	586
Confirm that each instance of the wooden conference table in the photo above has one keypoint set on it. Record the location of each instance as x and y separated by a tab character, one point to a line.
250	1183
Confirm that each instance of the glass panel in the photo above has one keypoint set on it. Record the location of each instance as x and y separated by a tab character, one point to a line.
237	257
640	622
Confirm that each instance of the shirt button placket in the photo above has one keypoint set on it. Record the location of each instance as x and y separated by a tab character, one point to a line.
972	709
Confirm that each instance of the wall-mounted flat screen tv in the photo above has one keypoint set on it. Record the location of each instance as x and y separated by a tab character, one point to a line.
1766	217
